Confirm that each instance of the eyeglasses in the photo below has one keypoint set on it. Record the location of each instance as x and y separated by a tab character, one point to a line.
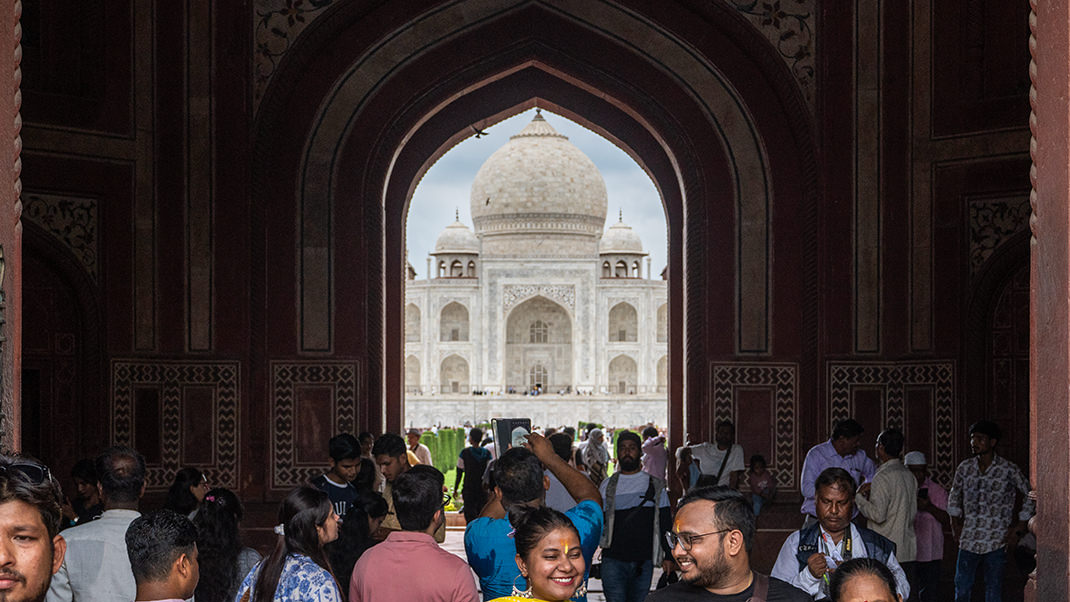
32	471
446	499
686	540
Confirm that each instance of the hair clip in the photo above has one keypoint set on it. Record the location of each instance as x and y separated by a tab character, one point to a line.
209	498
280	530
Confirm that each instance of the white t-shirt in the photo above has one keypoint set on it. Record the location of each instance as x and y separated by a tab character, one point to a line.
710	458
630	491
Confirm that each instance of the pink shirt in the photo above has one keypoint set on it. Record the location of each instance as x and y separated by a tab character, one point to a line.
411	566
655	456
929	532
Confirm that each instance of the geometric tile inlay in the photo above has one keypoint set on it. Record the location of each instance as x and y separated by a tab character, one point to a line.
286	376
171	377
783	380
894	378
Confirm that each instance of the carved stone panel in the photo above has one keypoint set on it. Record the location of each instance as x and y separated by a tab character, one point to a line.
211	385
781	382
308	396
71	221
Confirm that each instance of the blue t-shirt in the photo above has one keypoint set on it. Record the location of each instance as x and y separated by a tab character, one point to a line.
492	553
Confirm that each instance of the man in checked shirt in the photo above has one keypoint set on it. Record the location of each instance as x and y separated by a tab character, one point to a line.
981	505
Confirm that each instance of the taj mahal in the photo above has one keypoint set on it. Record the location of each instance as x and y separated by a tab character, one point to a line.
540	310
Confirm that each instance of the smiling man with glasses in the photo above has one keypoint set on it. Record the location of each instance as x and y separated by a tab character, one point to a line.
711	539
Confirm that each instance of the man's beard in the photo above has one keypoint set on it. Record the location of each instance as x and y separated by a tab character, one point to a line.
25	595
710	572
628	463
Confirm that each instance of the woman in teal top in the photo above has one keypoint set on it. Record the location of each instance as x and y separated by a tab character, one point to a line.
549	557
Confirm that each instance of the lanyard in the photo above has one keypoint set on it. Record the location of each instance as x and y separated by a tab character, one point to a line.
833	550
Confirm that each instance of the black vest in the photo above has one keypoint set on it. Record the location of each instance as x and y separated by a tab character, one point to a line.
877	546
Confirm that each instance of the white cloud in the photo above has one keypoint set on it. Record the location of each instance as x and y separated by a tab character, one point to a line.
445	188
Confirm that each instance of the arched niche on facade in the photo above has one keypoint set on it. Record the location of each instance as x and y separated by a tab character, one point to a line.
412	374
663	373
623	374
453	375
623	323
663	323
412	323
352	130
453	322
538	332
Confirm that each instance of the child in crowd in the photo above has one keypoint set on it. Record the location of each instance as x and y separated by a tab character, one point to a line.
343	464
762	483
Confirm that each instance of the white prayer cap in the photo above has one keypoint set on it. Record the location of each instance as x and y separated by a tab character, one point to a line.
914	458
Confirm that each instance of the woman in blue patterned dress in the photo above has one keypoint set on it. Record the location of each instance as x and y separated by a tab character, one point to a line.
297	569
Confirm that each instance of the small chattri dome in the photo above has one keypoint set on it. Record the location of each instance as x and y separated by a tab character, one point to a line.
620	239
458	239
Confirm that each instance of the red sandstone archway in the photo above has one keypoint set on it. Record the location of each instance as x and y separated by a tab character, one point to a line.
604	66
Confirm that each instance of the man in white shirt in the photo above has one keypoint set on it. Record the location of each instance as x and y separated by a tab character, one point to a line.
636	520
723	459
421	451
96	566
890	500
810	554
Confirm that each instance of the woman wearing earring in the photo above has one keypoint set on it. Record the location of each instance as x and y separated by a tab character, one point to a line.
297	569
549	557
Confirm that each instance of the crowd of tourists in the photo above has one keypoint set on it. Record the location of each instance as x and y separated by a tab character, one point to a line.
541	520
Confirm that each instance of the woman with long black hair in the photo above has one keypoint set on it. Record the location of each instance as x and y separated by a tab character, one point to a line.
222	558
297	568
187	491
361	521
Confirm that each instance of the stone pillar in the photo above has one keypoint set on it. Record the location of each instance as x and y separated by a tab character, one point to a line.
1049	363
10	227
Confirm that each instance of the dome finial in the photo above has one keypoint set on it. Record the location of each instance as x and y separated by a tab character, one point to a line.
620	216
457	213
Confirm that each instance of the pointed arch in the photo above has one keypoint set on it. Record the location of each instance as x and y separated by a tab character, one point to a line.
453	375
691	112
623	374
453	323
412	374
538	332
623	323
412	323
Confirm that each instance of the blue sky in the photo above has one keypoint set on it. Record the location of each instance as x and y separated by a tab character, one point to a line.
446	187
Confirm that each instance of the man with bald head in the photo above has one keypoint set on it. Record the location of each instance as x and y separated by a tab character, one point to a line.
96	566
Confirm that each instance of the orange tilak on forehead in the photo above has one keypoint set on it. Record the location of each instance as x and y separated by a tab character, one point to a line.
564	544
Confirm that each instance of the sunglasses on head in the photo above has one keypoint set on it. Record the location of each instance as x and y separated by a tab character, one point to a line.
30	471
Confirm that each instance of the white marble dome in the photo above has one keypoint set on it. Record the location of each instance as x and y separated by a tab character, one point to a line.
620	239
457	238
539	183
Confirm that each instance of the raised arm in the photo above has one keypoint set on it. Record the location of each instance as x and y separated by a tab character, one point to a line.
576	483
